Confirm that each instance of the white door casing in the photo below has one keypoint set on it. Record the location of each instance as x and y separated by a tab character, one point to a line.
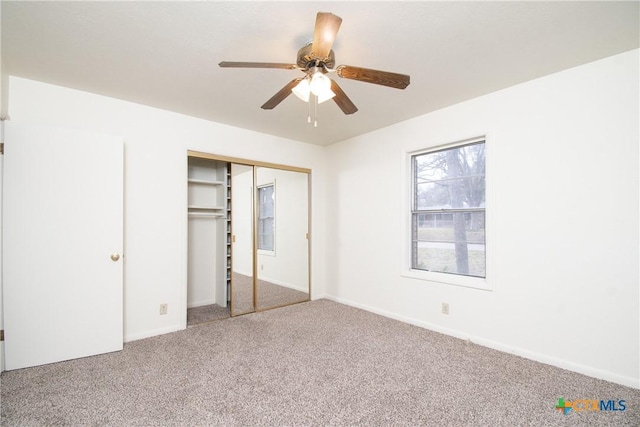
62	222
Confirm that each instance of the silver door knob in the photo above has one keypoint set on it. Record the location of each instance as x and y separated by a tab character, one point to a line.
115	257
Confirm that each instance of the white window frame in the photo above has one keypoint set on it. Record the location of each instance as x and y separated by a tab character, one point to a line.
482	283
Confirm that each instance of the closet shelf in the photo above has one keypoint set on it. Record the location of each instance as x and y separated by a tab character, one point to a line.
205	182
205	215
206	208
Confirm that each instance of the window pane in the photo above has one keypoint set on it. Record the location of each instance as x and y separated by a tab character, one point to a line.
265	234
456	193
266	201
452	178
450	242
266	223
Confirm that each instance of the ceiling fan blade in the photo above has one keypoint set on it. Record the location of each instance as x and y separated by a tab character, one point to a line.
342	99
281	95
324	34
384	78
229	64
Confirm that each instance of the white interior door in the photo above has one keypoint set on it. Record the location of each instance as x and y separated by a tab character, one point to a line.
62	221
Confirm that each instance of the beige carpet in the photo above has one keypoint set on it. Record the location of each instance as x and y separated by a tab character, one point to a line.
206	313
312	364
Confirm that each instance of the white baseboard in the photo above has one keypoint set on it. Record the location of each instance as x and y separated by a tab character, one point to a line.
506	348
152	333
201	303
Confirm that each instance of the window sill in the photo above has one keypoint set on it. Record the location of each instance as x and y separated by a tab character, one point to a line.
449	279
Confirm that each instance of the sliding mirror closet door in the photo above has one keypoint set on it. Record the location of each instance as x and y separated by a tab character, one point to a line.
282	239
242	252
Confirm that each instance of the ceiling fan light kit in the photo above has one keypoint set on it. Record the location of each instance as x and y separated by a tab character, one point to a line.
316	59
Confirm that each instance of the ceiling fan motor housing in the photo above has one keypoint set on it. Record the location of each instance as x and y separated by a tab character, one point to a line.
306	59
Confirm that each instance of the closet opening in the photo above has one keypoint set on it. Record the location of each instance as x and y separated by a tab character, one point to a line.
209	249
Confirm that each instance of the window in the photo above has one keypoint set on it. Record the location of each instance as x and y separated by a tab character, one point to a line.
448	210
266	218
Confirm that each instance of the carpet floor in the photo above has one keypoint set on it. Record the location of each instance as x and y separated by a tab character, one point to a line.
206	313
315	363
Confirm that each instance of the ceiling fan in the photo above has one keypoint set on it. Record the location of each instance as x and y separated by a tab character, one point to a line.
315	60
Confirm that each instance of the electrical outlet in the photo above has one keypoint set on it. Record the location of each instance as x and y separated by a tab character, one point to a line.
445	308
163	309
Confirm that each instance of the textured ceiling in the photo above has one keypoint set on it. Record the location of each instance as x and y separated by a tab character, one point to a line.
165	54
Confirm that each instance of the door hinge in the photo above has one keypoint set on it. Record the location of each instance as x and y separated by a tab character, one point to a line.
1	147
1	334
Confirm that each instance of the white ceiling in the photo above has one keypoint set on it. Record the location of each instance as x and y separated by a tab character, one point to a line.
166	54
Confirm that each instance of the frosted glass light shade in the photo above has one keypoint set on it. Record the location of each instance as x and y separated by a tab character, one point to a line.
302	90
325	96
319	84
321	87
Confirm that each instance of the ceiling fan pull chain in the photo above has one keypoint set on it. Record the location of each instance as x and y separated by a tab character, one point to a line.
309	112
315	111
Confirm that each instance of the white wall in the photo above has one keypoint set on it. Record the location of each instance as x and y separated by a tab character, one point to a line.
562	232
156	144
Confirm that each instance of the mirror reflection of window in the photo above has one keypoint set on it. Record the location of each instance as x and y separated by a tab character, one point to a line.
266	217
